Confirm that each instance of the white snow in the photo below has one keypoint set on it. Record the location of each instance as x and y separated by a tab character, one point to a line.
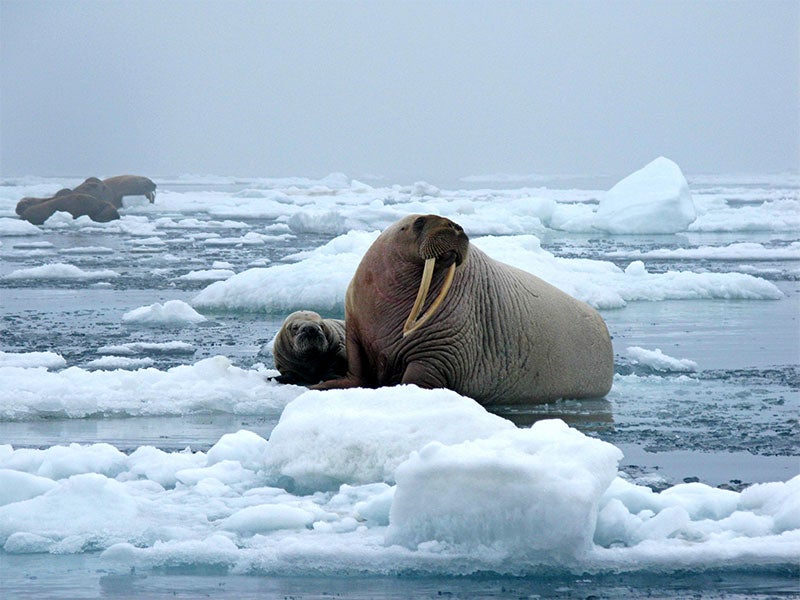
207	275
318	282
13	227
132	348
736	251
655	199
319	279
173	313
48	360
119	362
532	492
473	493
367	433
656	359
60	271
209	385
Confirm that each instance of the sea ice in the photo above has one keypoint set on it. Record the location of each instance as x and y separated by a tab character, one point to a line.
654	199
320	277
212	384
360	436
532	493
14	227
49	360
175	313
656	359
60	271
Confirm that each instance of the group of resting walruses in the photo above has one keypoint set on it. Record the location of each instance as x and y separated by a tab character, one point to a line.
94	198
427	308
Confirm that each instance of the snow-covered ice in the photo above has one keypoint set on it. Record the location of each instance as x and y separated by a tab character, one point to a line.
503	499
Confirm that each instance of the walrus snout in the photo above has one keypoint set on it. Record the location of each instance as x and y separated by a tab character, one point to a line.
442	242
310	336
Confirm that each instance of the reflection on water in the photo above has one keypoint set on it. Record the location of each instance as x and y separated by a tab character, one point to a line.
588	415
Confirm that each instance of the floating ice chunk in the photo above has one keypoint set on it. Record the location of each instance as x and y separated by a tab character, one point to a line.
267	517
774	215
318	282
358	436
243	446
148	348
172	312
60	271
84	511
87	250
226	471
48	360
16	486
737	251
14	227
531	493
161	467
119	362
423	188
212	384
207	275
60	462
656	359
655	199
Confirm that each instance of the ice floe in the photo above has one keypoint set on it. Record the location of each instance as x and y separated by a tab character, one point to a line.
175	313
656	359
447	496
655	199
319	279
58	271
209	385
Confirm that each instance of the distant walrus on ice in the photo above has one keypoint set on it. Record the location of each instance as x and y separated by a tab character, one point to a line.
493	332
77	205
309	349
130	185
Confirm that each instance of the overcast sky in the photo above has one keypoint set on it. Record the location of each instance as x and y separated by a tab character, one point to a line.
403	90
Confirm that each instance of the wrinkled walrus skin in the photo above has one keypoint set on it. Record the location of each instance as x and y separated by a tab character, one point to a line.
77	205
500	335
130	185
309	349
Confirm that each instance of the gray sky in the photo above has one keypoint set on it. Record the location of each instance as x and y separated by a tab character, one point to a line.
404	90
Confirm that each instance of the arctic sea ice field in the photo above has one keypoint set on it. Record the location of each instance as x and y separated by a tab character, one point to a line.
139	428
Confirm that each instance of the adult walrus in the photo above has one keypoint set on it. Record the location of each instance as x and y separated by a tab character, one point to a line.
95	188
29	201
492	332
77	205
130	185
309	349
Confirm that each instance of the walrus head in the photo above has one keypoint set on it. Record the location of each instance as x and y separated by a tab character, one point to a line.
439	242
305	330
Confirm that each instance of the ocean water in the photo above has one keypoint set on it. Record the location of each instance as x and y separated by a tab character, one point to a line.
722	294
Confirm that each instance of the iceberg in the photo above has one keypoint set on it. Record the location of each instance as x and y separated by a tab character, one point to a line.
654	199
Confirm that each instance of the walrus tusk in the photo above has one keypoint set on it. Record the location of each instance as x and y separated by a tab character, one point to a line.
412	323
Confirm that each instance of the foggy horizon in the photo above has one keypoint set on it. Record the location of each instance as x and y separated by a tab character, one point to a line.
435	91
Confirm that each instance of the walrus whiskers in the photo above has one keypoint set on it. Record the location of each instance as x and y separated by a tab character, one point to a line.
412	323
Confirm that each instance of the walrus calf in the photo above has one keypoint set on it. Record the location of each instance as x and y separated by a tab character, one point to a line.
130	185
492	332
309	349
77	205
